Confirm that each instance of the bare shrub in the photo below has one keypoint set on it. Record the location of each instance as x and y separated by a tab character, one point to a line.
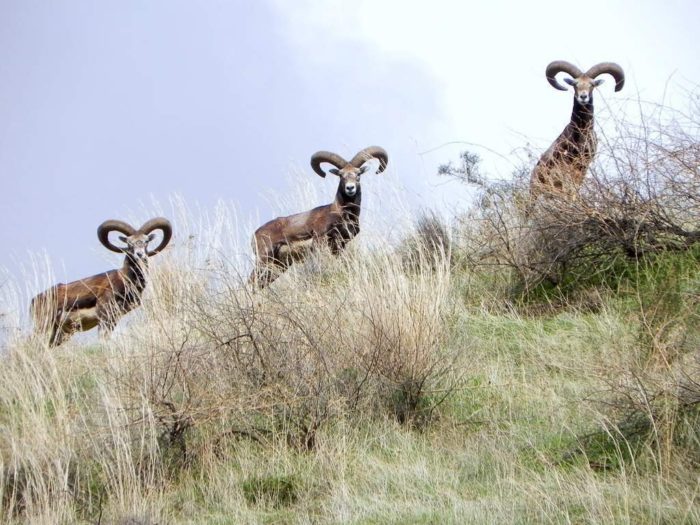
651	418
492	238
366	340
642	199
405	348
466	171
428	244
279	352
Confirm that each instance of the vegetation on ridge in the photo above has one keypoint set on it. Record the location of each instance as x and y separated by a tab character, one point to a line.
500	369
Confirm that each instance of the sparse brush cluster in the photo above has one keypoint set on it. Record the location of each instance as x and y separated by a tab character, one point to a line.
641	203
368	345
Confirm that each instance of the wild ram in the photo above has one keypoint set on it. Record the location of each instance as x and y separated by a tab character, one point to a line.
101	300
563	167
281	241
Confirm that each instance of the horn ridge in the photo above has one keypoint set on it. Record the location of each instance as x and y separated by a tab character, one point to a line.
371	152
158	223
108	226
329	157
560	66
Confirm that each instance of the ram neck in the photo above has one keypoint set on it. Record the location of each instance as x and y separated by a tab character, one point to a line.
582	116
134	273
350	206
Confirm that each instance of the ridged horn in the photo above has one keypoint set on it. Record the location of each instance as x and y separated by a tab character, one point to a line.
162	224
104	229
611	68
371	152
560	66
320	157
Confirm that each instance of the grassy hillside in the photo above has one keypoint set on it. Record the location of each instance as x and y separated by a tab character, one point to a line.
504	369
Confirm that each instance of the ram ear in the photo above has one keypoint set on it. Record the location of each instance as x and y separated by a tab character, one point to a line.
334	171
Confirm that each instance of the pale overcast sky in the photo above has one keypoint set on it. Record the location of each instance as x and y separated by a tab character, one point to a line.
107	105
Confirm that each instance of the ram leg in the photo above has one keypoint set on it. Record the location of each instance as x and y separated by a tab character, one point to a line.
58	336
269	270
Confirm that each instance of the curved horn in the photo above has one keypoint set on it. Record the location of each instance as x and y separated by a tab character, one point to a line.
560	66
326	156
104	229
371	152
162	224
611	68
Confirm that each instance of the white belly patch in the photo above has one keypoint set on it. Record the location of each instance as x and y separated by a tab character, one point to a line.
85	317
296	250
